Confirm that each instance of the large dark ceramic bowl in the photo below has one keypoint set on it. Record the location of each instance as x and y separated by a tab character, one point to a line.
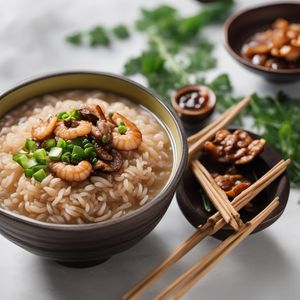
190	198
241	26
84	245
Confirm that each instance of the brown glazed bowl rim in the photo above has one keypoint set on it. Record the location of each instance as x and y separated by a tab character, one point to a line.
155	201
239	57
194	113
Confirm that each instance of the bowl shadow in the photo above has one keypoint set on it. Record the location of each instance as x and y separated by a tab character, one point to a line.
109	280
257	265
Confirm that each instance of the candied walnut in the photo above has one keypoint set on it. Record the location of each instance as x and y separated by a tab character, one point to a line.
275	48
237	147
232	182
281	24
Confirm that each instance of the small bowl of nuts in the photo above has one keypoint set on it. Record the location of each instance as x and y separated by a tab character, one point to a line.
235	159
266	40
194	104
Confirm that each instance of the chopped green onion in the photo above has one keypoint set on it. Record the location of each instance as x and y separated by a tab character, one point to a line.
20	158
104	139
29	163
122	123
75	158
66	157
93	154
55	153
88	151
28	173
66	117
85	141
93	142
30	145
61	143
69	148
94	160
122	129
77	141
88	145
75	114
39	167
40	155
60	115
39	175
23	160
78	153
49	144
110	114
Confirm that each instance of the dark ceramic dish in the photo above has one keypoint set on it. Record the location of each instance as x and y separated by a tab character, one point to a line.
243	25
191	203
89	244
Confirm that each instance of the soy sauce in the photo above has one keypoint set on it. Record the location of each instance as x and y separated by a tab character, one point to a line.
194	100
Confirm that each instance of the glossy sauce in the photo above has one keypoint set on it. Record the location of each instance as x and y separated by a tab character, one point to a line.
276	48
193	100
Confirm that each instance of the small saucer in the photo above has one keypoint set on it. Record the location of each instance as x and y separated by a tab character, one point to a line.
190	200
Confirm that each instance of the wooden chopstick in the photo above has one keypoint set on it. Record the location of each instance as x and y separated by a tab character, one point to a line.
207	134
222	194
193	138
251	192
219	200
213	225
200	269
186	246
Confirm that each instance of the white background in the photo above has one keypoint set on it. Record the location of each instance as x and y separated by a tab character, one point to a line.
265	266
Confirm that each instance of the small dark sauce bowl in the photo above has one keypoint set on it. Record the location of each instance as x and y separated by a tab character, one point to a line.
192	119
240	27
190	200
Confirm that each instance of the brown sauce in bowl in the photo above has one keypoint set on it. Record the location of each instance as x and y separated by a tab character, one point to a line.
194	99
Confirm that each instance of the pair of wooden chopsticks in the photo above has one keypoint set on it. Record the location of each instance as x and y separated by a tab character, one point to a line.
203	266
217	221
217	196
214	223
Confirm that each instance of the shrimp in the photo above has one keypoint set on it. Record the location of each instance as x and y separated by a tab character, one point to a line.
128	141
72	173
78	128
44	129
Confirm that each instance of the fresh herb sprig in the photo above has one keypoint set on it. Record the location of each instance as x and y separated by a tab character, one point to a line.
98	36
176	50
279	122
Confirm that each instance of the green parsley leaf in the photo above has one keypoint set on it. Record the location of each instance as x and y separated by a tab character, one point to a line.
121	32
98	36
75	38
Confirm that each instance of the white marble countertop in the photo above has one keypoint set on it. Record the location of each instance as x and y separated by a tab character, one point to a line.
264	267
